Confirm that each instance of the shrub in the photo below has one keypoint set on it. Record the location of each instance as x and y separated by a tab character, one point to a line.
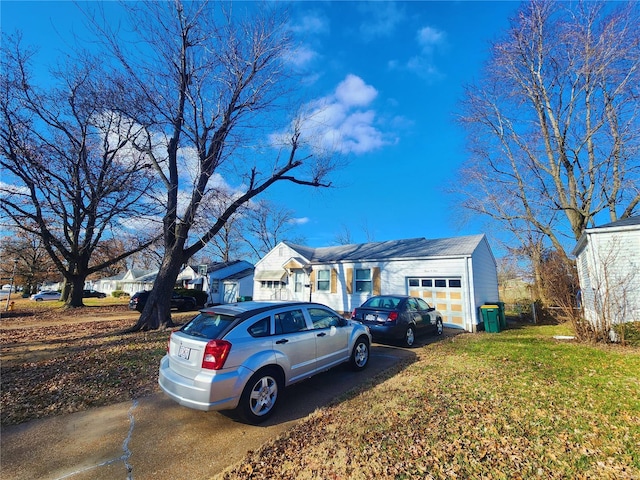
628	333
119	293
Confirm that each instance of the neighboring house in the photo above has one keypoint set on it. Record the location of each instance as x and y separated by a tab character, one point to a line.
608	263
224	282
456	275
132	281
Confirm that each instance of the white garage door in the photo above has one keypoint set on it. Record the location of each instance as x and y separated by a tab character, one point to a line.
443	293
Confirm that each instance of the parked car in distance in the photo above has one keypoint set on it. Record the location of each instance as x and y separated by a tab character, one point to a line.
93	294
398	318
242	355
180	302
45	295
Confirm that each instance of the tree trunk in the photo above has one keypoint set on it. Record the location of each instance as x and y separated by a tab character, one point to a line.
74	297
157	311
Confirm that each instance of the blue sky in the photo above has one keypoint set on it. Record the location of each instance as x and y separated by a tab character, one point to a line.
392	74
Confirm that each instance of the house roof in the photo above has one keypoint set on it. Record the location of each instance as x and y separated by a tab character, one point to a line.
391	249
625	222
239	275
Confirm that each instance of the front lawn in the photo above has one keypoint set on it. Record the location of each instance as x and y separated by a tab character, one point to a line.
518	404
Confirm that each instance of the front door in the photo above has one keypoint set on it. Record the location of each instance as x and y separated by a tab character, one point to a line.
299	278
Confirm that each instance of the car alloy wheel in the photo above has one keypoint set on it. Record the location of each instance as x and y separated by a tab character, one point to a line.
439	326
360	354
260	396
410	336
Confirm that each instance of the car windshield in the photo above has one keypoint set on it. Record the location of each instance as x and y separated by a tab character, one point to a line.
382	302
207	325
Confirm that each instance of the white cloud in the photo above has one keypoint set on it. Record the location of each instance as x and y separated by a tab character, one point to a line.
429	38
343	121
302	56
299	221
311	23
352	91
430	41
381	19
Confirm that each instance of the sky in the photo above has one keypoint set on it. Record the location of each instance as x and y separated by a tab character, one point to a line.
390	76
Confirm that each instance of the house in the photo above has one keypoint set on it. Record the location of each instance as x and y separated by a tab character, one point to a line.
225	282
132	281
456	275
608	264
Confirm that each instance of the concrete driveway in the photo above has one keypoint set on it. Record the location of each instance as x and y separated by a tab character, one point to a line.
155	438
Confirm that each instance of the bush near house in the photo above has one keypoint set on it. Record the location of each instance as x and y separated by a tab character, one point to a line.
628	333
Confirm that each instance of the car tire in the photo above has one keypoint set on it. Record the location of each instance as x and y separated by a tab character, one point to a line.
439	326
260	396
409	336
38	299
360	354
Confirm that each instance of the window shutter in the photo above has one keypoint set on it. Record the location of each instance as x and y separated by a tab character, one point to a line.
375	273
334	280
312	279
349	281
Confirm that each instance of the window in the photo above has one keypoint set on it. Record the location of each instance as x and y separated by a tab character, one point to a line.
426	282
260	328
322	318
290	322
270	284
422	304
441	283
455	283
412	305
324	280
363	280
414	282
215	285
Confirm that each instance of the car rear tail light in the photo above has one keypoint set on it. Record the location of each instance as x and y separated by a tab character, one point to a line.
215	354
353	314
393	316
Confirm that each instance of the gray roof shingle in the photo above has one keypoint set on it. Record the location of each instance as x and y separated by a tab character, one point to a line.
391	249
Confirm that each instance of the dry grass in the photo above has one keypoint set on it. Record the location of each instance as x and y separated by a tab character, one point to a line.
517	404
57	361
496	406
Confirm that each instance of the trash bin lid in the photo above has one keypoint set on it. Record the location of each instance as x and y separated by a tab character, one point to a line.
489	306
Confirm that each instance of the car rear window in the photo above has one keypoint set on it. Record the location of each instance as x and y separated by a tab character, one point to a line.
208	325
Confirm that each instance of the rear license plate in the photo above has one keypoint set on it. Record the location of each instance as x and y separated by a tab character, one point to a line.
184	352
370	317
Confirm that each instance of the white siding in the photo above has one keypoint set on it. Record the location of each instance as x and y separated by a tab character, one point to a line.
609	273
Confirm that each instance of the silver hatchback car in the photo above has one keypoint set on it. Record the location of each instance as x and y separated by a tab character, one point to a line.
242	355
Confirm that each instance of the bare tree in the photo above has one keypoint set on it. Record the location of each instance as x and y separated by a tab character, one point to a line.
267	224
70	175
553	125
214	83
32	263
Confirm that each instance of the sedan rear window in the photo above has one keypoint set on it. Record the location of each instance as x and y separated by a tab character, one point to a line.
207	325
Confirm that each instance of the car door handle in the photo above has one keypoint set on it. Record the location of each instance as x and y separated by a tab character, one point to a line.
280	342
322	334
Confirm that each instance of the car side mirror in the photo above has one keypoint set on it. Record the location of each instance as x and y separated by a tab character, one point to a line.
431	309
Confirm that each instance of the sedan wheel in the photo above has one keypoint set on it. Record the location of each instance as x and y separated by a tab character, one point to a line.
260	396
439	326
410	336
360	354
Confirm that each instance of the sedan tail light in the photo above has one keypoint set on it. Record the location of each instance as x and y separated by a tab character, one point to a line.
393	316
353	314
215	354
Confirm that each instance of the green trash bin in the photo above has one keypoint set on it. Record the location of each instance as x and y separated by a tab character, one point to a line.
491	318
501	314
